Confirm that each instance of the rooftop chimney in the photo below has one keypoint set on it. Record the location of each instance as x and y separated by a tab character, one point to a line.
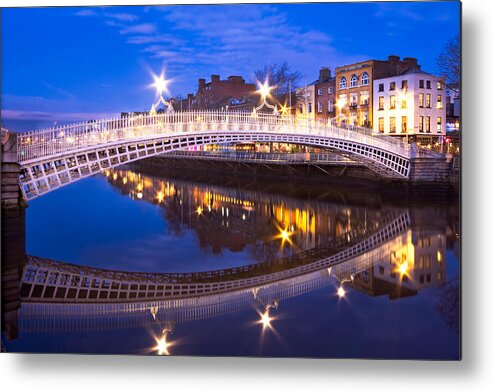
201	84
411	63
324	74
215	79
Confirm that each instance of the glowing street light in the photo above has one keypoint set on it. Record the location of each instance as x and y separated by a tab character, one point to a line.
265	318
161	86
284	109
264	90
162	343
341	293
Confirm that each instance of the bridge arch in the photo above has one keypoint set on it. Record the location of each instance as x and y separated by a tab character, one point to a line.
54	158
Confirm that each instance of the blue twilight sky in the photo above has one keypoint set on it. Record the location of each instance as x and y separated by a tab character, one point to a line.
77	63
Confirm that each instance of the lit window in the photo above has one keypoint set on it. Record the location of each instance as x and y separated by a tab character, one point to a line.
354	99
364	97
439	124
428	124
342	83
404	124
439	102
381	124
353	82
380	103
392	101
439	85
392	125
421	123
403	103
421	100
428	100
365	79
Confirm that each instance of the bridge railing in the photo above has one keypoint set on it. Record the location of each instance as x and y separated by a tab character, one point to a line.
54	141
264	157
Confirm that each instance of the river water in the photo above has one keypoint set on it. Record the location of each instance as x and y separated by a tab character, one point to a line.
402	303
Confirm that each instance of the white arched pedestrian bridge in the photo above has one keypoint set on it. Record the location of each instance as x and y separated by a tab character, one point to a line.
55	157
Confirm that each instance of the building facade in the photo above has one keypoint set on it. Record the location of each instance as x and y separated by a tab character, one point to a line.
305	102
412	103
354	87
219	94
325	96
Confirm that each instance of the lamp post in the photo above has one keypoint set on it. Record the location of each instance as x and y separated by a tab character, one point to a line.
340	291
161	85
264	91
162	343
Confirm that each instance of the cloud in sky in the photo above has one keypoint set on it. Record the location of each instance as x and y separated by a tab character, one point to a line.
123	17
143	28
237	40
86	13
191	42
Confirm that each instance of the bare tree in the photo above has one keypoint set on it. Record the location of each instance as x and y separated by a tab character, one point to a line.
448	62
280	76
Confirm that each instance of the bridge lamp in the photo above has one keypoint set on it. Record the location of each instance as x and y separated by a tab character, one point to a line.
284	109
162	344
199	210
264	90
160	83
341	293
161	86
265	320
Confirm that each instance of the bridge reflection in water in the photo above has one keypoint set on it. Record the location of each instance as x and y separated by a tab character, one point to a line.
377	253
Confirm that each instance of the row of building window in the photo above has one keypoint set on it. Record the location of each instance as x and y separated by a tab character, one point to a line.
427	103
320	91
392	86
330	106
353	81
422	102
424	124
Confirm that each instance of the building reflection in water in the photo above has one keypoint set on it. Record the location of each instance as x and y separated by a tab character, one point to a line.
269	227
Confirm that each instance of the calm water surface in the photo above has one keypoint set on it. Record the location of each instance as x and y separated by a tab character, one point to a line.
402	304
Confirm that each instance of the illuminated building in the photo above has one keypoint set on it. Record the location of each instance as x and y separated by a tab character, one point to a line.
354	88
412	103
